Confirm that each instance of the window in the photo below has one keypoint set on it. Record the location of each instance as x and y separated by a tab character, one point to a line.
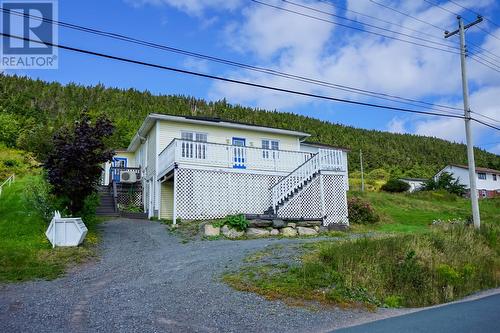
494	177
194	149
481	175
268	146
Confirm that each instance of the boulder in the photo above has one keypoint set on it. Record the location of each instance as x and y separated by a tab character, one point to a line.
304	231
291	224
316	228
278	223
309	223
256	232
288	232
275	232
210	230
231	232
259	223
338	226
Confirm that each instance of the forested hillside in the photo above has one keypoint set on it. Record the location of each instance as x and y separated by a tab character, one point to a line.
30	110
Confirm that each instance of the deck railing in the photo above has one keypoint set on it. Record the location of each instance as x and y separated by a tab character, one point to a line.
229	156
114	173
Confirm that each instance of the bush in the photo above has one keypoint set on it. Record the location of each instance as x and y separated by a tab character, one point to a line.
446	182
37	195
361	211
395	186
238	222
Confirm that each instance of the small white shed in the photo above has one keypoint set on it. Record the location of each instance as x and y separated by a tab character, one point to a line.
67	231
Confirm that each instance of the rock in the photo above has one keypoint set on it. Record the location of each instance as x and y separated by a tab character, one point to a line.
256	232
259	223
291	224
316	228
323	229
338	226
278	223
288	232
309	223
210	230
231	232
275	232
303	231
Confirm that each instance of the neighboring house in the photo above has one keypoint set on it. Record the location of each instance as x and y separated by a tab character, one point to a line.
487	180
415	183
204	168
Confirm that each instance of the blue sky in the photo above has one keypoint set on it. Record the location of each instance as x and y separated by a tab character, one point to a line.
244	31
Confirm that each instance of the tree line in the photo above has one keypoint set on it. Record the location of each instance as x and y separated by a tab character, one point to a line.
31	111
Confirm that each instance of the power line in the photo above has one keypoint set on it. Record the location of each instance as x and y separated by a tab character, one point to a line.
486	117
474	12
366	24
484	62
121	37
234	81
358	29
456	14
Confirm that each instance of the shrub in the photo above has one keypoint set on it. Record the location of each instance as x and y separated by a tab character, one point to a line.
395	186
446	182
238	222
37	194
361	211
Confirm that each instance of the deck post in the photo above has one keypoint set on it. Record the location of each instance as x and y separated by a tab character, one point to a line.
174	208
322	195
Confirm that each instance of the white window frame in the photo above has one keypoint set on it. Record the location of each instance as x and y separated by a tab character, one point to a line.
495	177
269	152
190	150
480	174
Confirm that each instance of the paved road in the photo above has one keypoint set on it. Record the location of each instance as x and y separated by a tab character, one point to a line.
148	281
482	315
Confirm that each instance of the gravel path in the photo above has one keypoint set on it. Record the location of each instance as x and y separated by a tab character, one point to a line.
148	281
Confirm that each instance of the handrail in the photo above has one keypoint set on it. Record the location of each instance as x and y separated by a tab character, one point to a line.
115	196
8	182
325	159
290	174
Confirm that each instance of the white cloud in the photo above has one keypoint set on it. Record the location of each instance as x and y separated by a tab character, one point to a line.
191	7
396	125
198	65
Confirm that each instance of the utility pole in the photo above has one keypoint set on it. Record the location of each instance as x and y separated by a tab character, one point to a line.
468	134
362	176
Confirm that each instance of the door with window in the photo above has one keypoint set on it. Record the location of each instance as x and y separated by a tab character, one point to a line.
118	164
239	153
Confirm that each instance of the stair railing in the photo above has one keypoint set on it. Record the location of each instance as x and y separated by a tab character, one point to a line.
115	196
325	159
7	182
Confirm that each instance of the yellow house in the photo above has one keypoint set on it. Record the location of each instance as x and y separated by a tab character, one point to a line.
203	168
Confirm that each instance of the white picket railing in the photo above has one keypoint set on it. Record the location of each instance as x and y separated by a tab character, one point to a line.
325	159
228	156
7	182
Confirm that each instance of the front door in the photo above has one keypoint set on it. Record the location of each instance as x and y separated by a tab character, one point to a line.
239	153
118	162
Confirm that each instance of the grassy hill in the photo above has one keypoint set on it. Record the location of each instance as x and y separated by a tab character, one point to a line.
30	110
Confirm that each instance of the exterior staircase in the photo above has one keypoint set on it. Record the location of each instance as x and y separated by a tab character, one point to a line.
298	179
106	203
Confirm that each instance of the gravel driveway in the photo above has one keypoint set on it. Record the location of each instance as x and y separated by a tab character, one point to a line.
148	281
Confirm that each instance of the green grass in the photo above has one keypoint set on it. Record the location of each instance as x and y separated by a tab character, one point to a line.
410	213
445	264
25	252
408	262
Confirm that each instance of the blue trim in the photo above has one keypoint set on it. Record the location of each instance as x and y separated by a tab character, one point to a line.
116	173
239	161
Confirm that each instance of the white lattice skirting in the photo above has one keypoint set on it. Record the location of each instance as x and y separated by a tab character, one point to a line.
206	194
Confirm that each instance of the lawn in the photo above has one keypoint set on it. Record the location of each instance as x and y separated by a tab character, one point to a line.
25	252
403	261
402	212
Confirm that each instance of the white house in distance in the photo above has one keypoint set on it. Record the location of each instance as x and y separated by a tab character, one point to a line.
415	183
203	168
487	180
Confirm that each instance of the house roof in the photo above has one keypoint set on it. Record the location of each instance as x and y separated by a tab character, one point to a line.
320	145
153	117
478	169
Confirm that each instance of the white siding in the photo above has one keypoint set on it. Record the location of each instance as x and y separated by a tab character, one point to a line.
463	176
170	130
167	200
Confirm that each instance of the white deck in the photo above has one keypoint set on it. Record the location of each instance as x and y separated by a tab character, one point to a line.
212	155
